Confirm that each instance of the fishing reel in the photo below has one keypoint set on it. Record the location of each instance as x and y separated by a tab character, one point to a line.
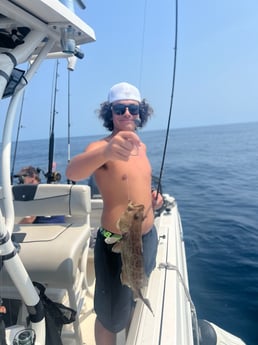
53	177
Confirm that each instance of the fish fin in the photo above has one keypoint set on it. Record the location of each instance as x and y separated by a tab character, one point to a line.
123	279
145	301
118	224
116	247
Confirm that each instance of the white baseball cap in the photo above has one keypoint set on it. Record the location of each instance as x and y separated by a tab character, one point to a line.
122	91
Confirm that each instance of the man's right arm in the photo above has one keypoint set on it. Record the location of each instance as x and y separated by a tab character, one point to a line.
84	164
119	147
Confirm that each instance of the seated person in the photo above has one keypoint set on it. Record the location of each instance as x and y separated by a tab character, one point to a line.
30	175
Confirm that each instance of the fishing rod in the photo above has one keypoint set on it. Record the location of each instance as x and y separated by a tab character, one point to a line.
68	122
18	132
70	67
17	137
171	102
52	176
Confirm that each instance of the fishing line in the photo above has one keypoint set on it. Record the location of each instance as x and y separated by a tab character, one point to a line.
143	42
171	101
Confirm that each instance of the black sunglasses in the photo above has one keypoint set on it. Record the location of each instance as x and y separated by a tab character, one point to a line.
120	108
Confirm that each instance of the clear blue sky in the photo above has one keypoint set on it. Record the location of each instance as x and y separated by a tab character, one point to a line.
216	75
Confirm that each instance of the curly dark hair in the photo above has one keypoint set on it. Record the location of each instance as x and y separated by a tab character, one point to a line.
105	114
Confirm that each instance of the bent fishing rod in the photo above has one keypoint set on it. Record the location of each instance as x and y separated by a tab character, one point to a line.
171	103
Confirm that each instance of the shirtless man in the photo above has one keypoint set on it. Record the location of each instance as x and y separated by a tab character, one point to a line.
122	172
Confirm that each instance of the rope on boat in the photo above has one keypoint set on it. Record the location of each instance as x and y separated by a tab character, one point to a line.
169	266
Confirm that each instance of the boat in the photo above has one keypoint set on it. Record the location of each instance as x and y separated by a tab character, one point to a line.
59	257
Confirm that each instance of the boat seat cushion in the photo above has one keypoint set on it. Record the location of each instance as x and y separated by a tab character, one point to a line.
73	201
51	253
50	199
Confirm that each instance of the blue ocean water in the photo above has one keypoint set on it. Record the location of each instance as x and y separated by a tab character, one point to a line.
212	172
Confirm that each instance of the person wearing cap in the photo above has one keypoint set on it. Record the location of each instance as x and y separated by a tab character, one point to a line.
122	172
30	175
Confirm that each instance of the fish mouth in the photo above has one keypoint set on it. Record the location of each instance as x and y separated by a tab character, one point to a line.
131	206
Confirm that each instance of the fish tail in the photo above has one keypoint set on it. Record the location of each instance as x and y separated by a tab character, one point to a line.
145	301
